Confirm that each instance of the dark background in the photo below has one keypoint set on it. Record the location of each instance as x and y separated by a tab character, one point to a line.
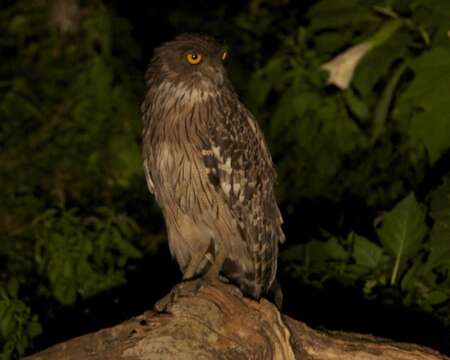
363	172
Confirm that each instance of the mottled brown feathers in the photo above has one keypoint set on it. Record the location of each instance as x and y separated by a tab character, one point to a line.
208	165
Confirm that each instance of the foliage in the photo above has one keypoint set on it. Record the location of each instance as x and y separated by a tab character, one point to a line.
83	256
69	119
50	106
374	140
74	199
402	233
373	143
402	254
17	326
424	101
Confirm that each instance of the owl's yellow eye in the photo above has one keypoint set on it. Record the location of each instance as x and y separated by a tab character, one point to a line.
224	55
194	58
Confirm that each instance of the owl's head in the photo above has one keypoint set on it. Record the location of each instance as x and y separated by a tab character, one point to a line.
192	59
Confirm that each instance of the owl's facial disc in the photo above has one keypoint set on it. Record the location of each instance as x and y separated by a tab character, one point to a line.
194	60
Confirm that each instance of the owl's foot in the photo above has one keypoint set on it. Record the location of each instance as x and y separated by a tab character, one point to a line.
185	288
190	288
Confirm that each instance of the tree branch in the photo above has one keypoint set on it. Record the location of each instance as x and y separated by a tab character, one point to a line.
214	324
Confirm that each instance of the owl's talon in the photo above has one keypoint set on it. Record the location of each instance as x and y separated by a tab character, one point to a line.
162	304
183	289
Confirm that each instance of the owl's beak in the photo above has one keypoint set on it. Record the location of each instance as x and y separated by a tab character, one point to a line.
216	74
219	78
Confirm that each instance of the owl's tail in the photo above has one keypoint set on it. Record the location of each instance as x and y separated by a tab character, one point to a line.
254	278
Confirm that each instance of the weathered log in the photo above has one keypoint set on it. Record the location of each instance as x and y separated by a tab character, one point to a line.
215	324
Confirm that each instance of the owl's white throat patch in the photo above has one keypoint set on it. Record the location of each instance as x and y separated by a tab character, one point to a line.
185	94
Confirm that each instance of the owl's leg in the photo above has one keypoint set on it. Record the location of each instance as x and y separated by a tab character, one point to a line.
187	286
213	278
194	264
216	266
190	286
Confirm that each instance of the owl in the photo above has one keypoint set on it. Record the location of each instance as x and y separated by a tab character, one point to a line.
208	165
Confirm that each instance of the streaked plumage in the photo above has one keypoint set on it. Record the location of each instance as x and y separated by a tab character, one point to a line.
208	165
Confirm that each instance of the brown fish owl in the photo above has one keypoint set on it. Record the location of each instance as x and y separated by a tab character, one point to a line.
208	165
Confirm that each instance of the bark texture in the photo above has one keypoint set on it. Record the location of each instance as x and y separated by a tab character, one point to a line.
215	324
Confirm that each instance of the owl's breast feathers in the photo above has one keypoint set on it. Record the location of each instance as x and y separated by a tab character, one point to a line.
237	164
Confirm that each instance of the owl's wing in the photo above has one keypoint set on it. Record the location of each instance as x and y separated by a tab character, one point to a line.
148	176
239	165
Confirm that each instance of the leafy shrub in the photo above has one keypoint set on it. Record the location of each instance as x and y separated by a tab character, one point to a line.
17	326
69	107
383	137
83	256
69	122
374	140
404	254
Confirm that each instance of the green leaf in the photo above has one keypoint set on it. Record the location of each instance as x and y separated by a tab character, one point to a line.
263	80
17	327
124	247
316	251
440	212
357	106
440	233
439	255
6	323
13	286
432	15
335	250
339	14
377	63
437	297
365	252
424	106
322	252
34	327
402	232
